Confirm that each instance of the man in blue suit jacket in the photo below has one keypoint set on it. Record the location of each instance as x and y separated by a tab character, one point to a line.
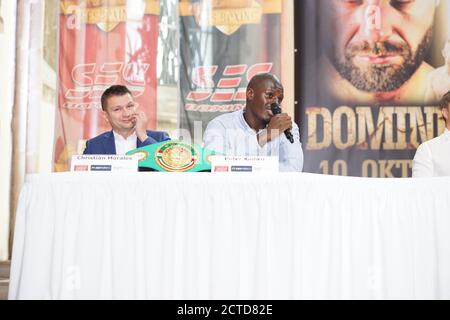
128	125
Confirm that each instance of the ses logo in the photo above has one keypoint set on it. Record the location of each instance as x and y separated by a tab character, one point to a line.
92	79
225	95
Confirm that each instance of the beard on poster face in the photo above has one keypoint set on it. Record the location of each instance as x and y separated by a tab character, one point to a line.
379	77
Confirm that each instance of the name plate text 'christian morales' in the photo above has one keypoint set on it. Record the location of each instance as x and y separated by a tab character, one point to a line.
104	163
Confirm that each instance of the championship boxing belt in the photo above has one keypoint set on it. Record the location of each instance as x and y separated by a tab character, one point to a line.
174	156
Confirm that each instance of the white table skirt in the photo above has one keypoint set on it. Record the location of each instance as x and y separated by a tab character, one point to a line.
238	236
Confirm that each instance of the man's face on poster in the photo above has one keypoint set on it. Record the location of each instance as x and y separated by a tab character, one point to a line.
377	45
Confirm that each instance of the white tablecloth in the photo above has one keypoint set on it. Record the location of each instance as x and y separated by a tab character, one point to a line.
241	236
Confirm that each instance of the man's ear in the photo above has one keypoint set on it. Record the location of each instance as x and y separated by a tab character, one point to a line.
445	114
105	116
250	94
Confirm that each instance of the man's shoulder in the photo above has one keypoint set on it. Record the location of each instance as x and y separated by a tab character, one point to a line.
100	137
437	139
158	135
432	143
226	118
98	144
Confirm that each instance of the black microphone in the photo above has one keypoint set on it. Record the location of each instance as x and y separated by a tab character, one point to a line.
275	107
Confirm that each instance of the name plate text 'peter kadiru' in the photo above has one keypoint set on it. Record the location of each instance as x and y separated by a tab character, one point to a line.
244	164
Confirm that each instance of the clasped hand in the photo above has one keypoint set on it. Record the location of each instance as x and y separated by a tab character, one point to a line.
140	122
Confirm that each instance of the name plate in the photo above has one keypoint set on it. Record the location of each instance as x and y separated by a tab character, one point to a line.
220	164
104	163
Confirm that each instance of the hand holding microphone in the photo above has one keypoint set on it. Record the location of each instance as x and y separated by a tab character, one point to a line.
281	122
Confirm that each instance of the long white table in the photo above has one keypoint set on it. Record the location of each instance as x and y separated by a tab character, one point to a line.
232	236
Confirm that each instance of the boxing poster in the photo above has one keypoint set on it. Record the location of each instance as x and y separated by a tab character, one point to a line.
369	77
102	43
223	44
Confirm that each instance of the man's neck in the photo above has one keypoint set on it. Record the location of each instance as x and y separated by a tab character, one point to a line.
252	122
125	133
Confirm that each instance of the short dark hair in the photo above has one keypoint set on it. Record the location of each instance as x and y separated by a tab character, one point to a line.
263	76
445	100
116	90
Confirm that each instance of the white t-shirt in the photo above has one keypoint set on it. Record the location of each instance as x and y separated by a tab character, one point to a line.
432	158
230	134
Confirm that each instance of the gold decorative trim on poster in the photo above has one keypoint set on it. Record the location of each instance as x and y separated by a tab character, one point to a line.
152	7
106	14
228	16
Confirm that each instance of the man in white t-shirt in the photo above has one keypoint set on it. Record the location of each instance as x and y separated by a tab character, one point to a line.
432	158
439	79
256	131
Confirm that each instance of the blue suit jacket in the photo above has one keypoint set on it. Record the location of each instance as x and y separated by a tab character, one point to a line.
105	144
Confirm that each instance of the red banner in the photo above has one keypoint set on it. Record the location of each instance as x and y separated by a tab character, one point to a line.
102	43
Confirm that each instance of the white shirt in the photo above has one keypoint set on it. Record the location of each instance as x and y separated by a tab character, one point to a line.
231	135
124	145
432	158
